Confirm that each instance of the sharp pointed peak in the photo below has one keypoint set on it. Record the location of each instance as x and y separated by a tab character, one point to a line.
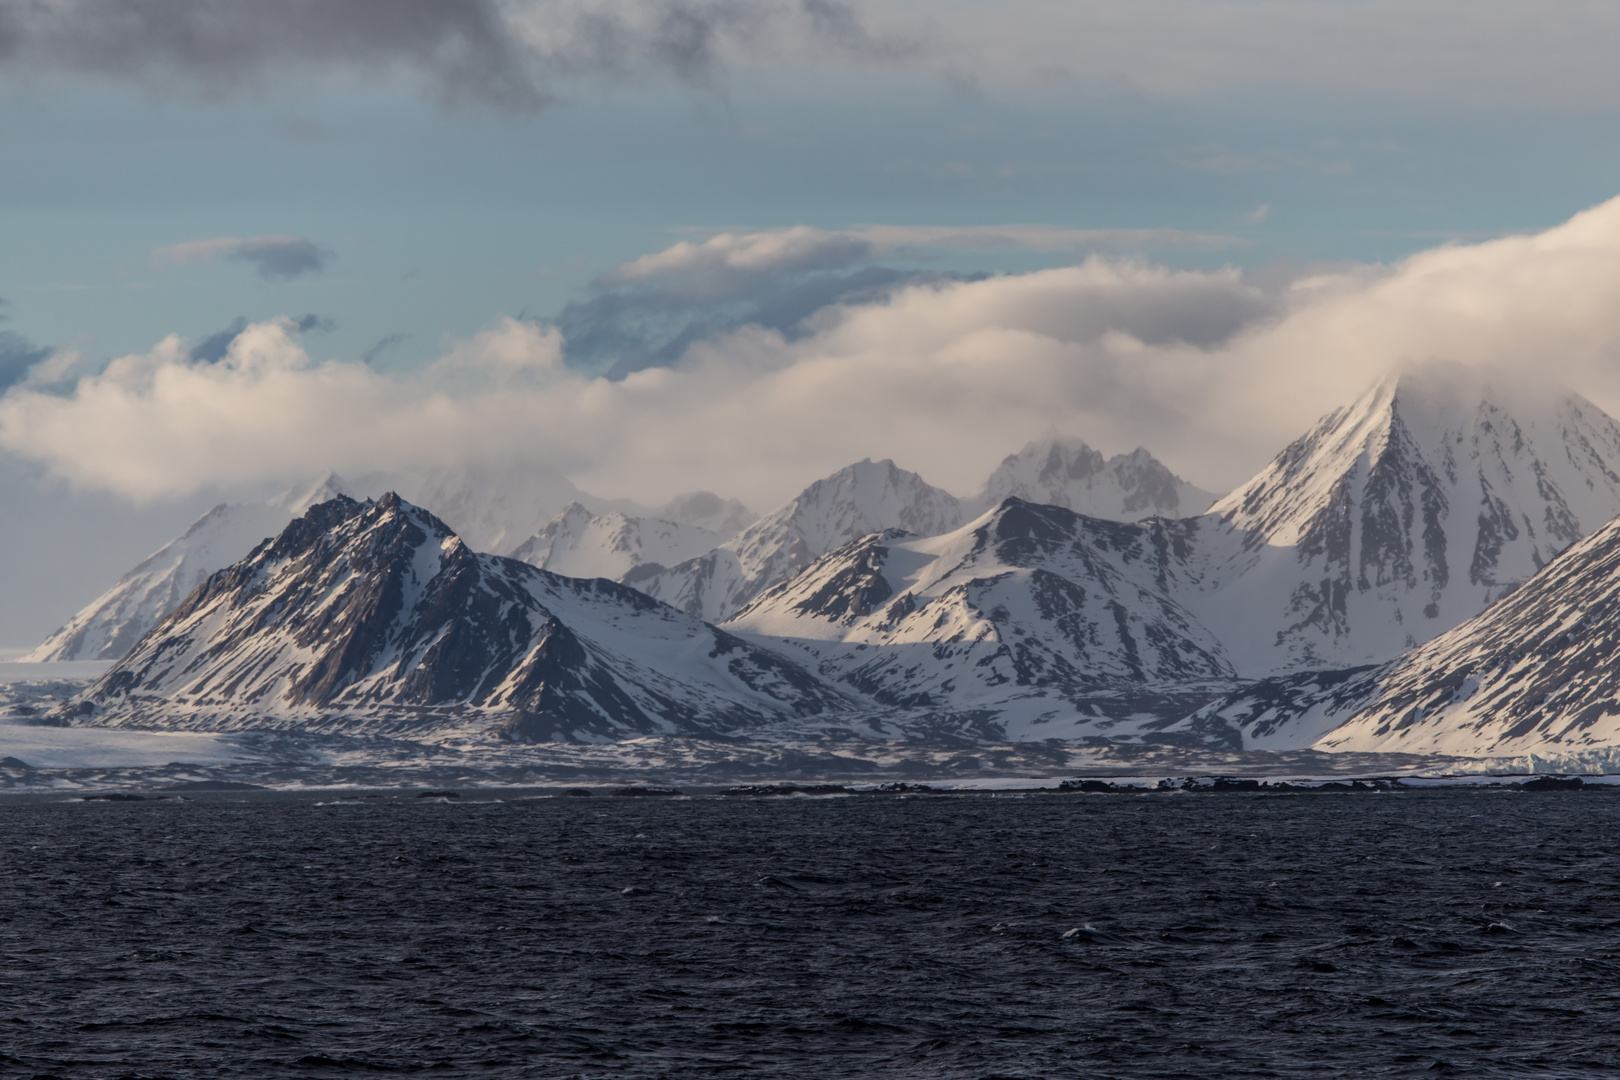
1436	384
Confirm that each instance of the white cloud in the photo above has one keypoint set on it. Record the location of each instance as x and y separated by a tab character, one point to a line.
728	256
1207	370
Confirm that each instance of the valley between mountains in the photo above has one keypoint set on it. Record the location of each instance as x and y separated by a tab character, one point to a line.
1431	569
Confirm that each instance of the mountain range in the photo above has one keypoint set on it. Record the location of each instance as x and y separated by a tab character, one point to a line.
672	551
1410	574
492	508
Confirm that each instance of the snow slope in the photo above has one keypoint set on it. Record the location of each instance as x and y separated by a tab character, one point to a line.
374	618
110	625
578	543
1068	473
864	498
1534	674
1033	607
1401	515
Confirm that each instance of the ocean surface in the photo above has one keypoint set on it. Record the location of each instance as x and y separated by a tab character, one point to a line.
1470	932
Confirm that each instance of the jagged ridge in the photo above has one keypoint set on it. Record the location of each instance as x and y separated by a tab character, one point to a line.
374	617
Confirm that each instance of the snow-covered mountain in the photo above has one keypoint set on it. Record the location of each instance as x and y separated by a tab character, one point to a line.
579	543
1534	673
708	511
867	497
1401	515
494	510
374	618
1066	472
1389	522
1030	608
109	626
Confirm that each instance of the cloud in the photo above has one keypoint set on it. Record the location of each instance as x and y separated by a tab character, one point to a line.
1210	370
274	258
212	349
508	53
18	356
383	345
215	347
724	265
1470	53
631	328
647	312
528	54
1258	215
728	262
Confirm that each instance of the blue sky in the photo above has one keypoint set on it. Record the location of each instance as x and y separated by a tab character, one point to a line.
432	167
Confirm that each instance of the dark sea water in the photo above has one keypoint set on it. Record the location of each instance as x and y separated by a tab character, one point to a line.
1171	935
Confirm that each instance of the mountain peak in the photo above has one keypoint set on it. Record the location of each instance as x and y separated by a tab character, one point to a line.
1065	471
297	499
1438	490
857	500
612	545
374	618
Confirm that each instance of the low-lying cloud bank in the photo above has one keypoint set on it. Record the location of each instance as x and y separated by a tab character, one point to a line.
1210	371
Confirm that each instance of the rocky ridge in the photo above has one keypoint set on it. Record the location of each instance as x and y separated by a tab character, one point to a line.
374	618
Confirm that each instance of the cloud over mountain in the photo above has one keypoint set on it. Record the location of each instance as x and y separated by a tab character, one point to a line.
1211	370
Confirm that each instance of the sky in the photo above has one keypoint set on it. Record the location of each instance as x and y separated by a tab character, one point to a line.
734	245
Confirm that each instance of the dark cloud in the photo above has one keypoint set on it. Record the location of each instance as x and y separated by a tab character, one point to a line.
649	311
281	258
17	355
382	346
626	328
508	54
212	349
273	258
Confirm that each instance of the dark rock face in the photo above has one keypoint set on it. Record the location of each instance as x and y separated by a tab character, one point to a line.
375	617
856	589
